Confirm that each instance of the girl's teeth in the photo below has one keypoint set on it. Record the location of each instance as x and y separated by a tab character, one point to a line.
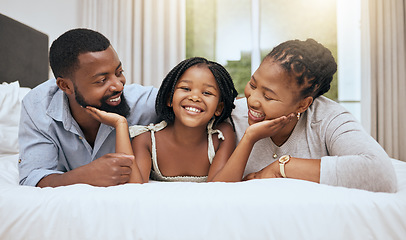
192	109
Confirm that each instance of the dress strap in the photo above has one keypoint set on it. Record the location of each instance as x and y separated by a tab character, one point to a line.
210	131
139	129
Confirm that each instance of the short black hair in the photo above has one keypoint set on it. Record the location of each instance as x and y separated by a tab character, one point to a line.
227	91
64	51
310	62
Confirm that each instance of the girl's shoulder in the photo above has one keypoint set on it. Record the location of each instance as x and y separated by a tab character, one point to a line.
225	128
227	132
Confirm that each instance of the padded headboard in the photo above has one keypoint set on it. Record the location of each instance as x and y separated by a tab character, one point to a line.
23	53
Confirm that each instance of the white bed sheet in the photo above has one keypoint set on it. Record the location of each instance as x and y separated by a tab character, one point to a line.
259	209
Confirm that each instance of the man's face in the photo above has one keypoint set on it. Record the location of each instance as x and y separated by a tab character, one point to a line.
123	109
99	82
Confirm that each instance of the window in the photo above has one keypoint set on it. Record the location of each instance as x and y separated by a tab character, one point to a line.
238	34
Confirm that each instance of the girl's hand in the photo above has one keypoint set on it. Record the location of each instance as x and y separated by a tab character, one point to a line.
267	128
108	118
270	171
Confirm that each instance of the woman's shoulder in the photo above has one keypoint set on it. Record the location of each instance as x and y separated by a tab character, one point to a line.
324	109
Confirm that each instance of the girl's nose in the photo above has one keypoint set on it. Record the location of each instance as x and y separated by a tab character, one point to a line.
194	98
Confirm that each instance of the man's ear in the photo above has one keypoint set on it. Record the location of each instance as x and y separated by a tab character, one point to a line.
65	85
219	109
305	104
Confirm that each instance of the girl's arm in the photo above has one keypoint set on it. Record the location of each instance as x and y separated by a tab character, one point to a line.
123	143
141	145
233	169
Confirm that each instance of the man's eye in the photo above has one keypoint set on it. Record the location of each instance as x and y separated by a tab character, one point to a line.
101	80
120	73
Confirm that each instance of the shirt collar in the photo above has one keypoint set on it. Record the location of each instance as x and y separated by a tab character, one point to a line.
59	110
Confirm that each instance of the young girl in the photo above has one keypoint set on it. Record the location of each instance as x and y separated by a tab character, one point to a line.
297	132
194	98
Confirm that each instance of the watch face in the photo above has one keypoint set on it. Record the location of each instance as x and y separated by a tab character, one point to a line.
284	159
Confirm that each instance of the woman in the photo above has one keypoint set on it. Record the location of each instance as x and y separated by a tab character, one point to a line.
297	132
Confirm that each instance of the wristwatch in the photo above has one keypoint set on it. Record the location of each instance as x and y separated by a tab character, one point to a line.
282	161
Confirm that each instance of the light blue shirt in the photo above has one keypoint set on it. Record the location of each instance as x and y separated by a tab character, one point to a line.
50	139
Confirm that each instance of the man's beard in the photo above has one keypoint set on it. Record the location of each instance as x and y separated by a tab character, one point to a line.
122	109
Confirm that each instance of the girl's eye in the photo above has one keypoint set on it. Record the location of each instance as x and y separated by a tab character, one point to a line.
252	85
185	88
207	93
267	98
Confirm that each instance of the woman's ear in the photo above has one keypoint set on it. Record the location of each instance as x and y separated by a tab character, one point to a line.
219	109
305	104
65	85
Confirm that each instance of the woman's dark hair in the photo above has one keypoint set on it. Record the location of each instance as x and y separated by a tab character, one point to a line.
223	79
64	51
311	63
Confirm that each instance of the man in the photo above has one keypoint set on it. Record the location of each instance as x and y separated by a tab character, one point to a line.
60	143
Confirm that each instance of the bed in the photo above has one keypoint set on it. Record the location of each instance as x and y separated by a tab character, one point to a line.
258	209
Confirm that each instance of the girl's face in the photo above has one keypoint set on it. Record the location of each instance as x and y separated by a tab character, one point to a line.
272	93
196	98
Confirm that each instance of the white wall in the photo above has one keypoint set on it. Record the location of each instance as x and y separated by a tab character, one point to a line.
349	55
52	17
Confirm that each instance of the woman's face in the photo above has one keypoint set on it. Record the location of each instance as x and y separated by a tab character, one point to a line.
271	93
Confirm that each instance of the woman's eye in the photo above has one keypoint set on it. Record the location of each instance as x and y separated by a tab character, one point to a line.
267	98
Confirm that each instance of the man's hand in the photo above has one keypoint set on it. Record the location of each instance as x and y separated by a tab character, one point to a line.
108	118
109	170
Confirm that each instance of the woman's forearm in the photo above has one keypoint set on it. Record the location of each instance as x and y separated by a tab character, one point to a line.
233	170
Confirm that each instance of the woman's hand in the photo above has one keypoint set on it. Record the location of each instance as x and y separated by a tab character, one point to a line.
270	171
267	128
108	118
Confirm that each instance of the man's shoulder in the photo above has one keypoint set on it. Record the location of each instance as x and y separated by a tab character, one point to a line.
42	92
141	100
135	88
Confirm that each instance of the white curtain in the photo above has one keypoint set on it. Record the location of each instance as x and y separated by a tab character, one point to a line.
148	35
385	41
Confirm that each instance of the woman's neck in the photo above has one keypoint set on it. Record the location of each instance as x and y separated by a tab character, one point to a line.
284	133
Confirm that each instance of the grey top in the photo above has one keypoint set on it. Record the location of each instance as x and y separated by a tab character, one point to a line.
350	157
50	139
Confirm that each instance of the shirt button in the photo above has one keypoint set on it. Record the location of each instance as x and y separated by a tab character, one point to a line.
80	137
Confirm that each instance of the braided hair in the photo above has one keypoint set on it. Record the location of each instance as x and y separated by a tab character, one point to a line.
311	63
227	91
64	51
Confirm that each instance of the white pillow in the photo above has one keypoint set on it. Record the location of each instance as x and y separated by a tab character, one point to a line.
10	101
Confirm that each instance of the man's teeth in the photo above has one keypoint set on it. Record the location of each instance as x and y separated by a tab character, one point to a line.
115	99
192	109
256	114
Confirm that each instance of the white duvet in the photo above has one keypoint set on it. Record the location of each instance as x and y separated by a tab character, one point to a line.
259	209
